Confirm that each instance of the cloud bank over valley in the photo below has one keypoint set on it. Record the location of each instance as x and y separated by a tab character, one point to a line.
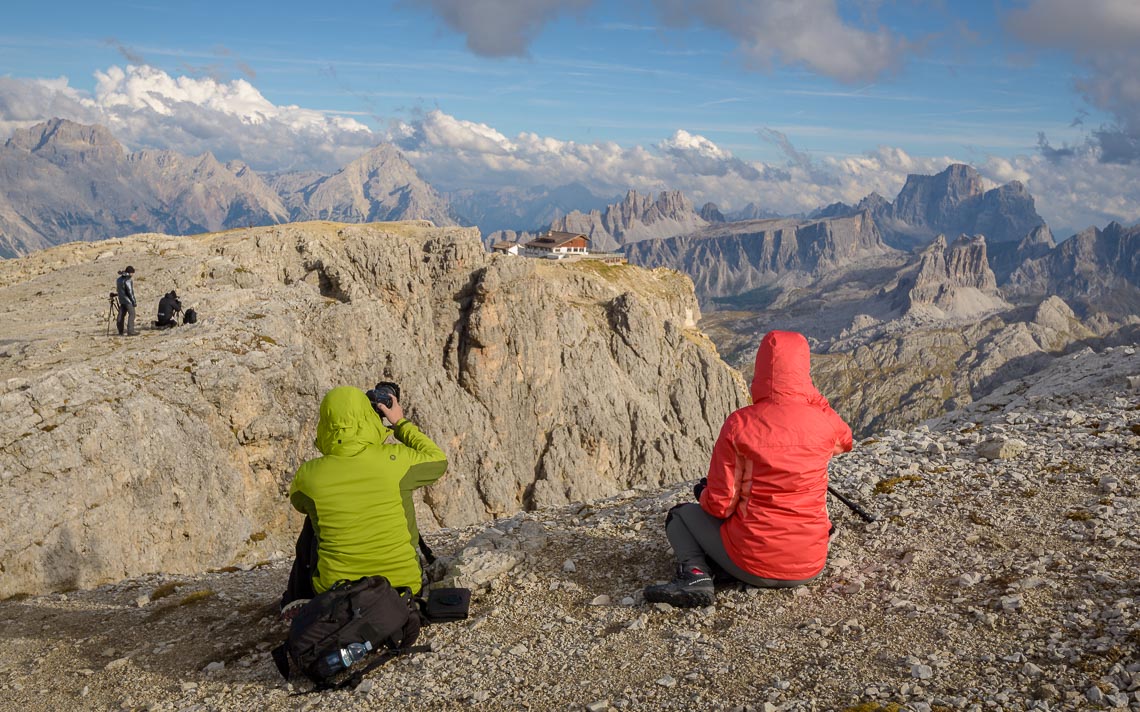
148	107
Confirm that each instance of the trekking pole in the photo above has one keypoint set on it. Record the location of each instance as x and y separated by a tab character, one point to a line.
854	507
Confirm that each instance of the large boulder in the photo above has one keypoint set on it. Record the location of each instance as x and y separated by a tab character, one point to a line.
545	383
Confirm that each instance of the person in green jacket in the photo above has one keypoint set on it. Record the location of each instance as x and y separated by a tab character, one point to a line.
357	497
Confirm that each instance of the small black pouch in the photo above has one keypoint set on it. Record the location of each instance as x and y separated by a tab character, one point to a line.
447	604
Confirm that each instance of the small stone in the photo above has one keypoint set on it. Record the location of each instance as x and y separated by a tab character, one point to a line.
667	681
1001	448
189	686
568	566
922	672
968	579
1094	695
1010	604
628	601
142	600
663	607
85	691
115	664
215	666
519	650
364	687
1031	670
602	600
638	623
599	706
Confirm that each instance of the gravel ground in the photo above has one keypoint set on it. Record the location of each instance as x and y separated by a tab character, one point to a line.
1002	575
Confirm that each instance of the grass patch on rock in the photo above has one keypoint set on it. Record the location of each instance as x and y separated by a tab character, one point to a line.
197	597
888	485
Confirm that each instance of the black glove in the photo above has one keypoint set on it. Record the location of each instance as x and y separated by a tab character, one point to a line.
700	487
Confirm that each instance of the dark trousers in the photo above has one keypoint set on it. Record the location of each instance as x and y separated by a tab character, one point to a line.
304	566
694	535
127	312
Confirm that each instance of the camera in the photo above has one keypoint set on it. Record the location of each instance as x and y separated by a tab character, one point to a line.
382	394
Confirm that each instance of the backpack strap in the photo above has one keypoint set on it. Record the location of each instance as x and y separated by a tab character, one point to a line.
355	678
426	550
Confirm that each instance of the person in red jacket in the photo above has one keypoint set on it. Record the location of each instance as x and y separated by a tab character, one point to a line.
762	516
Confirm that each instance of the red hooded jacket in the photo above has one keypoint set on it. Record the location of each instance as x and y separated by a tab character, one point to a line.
768	476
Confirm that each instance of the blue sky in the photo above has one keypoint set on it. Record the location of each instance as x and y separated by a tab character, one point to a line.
778	101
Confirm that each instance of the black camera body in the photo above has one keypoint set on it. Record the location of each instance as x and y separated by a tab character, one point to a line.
382	394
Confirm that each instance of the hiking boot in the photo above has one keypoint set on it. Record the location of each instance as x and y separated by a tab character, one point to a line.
692	588
290	610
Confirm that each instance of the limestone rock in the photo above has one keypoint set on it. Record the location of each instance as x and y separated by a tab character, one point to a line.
544	383
953	281
733	258
1001	448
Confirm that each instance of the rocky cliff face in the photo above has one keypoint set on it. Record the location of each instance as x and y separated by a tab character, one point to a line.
953	281
61	181
734	258
917	367
545	383
634	219
1099	270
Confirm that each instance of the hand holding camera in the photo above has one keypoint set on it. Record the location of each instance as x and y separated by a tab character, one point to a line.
385	399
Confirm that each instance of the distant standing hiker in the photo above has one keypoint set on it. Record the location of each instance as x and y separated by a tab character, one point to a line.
125	286
762	517
357	497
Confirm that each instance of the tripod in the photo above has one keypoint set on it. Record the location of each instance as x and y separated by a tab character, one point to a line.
854	507
112	312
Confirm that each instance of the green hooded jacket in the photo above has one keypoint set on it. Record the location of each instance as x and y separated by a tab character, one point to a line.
359	494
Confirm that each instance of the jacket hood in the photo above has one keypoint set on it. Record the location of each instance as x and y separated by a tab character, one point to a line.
348	423
783	368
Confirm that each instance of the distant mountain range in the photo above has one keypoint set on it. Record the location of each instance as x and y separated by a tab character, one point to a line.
61	181
953	202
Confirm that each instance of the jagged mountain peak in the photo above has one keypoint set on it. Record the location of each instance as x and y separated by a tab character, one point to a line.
637	217
951	281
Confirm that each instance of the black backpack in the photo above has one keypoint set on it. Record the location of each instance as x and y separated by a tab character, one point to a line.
367	610
190	317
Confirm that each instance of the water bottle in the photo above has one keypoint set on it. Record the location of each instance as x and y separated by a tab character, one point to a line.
342	659
354	653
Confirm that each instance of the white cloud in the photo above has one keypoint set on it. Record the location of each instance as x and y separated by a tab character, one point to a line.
447	152
1104	37
146	107
797	32
810	33
501	28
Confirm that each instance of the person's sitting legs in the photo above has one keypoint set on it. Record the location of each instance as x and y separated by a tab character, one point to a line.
695	537
693	584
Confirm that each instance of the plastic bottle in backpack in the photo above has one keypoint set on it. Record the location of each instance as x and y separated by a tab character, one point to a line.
354	653
338	660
